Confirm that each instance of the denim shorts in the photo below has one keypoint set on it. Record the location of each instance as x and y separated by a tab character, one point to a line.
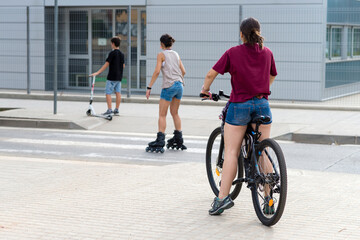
240	114
175	91
112	86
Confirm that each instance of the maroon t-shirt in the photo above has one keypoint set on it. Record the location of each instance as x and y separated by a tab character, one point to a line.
250	68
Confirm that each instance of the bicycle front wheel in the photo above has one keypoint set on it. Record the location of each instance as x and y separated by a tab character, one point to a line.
214	164
269	192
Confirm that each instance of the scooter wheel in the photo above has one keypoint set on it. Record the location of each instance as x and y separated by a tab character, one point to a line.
109	118
88	112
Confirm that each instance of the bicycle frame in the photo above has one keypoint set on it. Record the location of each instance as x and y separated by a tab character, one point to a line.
253	174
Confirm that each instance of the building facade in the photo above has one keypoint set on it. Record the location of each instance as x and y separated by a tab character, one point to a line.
315	42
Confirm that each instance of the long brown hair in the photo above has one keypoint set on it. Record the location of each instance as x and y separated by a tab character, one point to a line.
250	28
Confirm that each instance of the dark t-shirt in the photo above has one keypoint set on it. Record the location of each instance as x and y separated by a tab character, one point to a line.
250	68
116	65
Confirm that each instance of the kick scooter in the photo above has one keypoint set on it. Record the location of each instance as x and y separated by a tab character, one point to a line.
91	111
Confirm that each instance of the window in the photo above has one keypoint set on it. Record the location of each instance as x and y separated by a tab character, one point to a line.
328	31
336	42
143	33
78	32
340	39
356	42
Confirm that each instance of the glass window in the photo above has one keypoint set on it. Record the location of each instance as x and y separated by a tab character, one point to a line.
101	35
327	50
122	28
142	74
134	48
356	46
78	69
78	32
349	43
336	42
143	33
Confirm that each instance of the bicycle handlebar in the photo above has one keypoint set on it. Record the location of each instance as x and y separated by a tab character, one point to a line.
213	96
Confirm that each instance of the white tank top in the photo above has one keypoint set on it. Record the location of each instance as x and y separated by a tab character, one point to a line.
170	69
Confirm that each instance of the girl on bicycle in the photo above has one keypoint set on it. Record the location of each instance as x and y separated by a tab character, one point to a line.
173	71
252	69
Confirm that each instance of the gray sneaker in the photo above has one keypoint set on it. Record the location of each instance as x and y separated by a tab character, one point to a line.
116	112
108	112
218	206
269	207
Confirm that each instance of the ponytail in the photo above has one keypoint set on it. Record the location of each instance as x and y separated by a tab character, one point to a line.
250	28
255	37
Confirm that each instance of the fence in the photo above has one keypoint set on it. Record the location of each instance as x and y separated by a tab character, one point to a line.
316	47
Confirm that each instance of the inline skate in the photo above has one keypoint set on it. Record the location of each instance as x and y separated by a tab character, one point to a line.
176	141
158	144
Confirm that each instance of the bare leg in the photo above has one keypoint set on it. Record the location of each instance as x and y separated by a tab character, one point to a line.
264	163
174	107
163	108
233	136
108	101
118	99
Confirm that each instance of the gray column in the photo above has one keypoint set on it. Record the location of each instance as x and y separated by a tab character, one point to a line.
344	42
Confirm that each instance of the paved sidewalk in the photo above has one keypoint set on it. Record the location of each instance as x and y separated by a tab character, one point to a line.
63	199
56	199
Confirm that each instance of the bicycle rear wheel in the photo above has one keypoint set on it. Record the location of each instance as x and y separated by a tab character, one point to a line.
269	193
214	163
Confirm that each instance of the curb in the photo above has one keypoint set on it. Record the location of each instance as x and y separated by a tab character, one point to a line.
38	123
319	139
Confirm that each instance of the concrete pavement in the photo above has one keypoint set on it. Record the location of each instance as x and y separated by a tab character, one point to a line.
64	199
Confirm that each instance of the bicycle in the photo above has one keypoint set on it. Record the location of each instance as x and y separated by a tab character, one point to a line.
262	162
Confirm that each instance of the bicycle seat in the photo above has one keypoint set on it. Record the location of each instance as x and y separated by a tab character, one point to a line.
260	119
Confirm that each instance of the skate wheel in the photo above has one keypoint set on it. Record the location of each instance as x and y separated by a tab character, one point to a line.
157	150
147	149
162	150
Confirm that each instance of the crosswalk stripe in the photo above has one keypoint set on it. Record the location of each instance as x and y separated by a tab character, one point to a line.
134	138
89	144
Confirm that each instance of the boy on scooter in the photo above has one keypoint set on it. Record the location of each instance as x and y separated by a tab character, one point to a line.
116	63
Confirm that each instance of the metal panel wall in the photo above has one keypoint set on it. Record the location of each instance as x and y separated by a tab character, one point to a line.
13	61
295	34
232	2
293	30
202	34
